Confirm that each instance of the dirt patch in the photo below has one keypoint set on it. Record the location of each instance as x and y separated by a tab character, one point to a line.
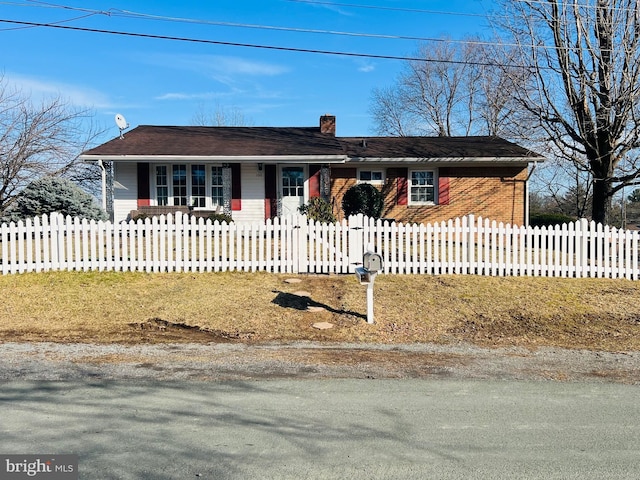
159	330
605	330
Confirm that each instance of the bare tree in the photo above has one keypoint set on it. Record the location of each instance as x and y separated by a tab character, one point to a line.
389	113
456	89
220	116
567	189
498	76
584	56
40	140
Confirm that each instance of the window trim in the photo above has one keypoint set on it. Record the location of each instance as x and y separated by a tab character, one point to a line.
156	185
209	205
209	185
434	186
371	182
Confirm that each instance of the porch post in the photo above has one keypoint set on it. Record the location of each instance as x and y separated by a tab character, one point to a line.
325	182
226	189
109	189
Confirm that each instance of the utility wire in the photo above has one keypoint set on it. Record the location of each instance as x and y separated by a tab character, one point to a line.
54	23
145	16
138	15
127	13
253	45
572	4
440	12
376	7
411	10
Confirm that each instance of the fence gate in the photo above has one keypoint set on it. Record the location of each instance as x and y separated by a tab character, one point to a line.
329	248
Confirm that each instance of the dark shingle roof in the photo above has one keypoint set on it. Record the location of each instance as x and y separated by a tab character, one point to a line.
434	147
220	141
148	140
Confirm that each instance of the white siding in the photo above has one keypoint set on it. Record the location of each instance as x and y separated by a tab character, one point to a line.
252	195
125	190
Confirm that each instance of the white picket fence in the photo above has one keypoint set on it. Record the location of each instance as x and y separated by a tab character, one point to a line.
465	245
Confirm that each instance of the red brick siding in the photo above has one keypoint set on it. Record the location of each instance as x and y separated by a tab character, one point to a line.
496	193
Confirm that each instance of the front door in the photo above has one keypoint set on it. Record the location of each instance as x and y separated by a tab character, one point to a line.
291	189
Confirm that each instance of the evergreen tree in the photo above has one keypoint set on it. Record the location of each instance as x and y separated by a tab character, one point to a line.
54	194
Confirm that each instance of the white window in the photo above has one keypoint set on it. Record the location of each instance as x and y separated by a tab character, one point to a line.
422	189
292	182
197	186
217	197
162	185
374	177
179	181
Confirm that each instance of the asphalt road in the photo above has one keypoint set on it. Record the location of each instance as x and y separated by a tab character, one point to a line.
328	428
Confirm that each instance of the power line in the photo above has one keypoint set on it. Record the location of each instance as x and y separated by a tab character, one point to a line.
440	12
376	7
54	23
129	14
574	4
146	16
139	15
253	45
316	2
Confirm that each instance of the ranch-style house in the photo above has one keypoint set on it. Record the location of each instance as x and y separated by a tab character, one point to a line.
255	173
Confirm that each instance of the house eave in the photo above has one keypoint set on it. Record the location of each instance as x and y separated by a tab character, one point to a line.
449	160
218	158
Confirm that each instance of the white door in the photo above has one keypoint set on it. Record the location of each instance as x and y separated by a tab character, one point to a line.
291	189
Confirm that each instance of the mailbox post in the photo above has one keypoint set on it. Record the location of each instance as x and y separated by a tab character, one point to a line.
366	275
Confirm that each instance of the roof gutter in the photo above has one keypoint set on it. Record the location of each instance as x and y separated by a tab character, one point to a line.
459	160
218	158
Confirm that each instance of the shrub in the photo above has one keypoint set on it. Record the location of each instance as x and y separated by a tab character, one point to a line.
549	219
140	216
363	198
318	209
220	217
54	194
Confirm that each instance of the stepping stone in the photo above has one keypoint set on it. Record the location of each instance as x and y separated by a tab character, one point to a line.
293	280
322	325
315	309
302	293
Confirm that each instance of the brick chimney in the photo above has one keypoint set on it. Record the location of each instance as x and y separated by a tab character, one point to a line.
328	124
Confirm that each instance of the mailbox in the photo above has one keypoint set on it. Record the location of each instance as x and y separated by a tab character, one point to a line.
363	275
366	275
372	262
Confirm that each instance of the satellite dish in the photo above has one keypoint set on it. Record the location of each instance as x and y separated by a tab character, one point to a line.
121	122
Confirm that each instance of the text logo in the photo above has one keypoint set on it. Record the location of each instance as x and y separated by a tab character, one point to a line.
41	467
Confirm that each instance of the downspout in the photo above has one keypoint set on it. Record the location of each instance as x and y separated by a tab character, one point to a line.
526	194
104	184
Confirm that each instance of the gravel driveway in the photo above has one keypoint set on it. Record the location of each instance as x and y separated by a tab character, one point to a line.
234	361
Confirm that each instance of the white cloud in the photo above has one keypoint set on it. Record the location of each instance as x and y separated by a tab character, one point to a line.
365	65
189	96
240	66
76	95
225	69
333	8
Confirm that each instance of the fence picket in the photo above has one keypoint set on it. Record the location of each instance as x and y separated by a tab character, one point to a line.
295	244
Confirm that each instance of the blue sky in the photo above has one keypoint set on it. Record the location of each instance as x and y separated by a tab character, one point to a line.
165	82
